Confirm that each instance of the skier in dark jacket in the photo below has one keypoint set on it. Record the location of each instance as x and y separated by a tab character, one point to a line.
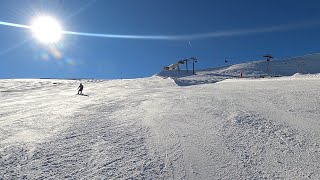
80	89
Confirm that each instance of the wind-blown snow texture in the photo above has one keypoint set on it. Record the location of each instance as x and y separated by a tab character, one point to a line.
150	128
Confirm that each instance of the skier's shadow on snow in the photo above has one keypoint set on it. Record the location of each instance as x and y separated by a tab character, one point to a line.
83	95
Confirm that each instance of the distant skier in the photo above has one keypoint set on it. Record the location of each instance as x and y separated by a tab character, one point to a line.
80	89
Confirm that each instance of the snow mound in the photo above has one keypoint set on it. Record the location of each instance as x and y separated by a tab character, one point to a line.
299	75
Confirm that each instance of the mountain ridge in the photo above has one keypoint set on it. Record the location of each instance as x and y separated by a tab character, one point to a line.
307	64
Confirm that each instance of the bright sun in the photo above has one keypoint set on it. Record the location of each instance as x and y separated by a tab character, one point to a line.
46	29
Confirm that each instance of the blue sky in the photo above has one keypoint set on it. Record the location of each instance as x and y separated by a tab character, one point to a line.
216	29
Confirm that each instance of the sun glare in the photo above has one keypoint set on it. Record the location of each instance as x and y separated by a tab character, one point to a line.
46	29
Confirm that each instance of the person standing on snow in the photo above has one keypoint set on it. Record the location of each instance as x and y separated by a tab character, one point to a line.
80	89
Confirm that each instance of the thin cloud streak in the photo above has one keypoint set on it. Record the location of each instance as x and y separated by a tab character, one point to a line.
197	36
218	34
14	25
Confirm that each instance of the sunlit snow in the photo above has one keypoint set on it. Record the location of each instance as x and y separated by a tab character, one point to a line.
213	125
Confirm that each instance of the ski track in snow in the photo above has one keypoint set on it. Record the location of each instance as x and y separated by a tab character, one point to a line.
149	128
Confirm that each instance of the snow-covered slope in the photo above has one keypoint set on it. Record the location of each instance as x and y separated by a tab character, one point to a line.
308	64
150	128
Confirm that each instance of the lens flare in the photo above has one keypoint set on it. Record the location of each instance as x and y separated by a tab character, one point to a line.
46	29
55	52
71	61
44	56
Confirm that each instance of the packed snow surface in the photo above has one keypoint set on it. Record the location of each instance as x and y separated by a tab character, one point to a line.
151	128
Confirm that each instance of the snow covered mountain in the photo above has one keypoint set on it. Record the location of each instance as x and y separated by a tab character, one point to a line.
308	64
150	128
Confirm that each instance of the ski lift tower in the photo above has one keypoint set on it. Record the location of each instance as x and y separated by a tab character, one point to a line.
268	59
186	61
194	60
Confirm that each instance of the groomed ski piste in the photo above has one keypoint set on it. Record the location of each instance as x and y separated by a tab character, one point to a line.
212	125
